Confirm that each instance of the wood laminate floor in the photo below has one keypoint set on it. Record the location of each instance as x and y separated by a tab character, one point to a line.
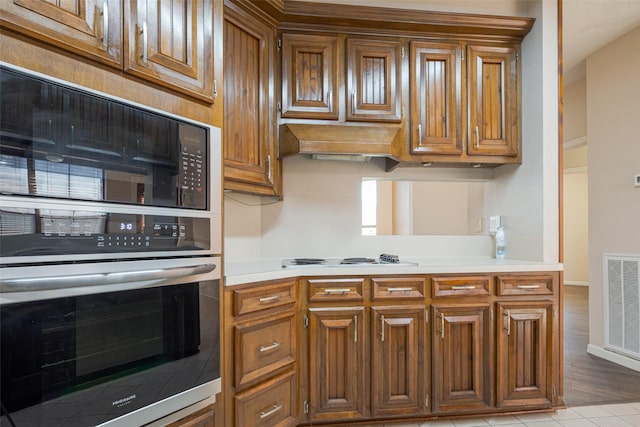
588	379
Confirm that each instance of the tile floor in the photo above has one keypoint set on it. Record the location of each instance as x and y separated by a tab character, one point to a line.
617	415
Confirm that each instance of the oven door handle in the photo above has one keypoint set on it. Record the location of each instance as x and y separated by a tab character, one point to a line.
63	282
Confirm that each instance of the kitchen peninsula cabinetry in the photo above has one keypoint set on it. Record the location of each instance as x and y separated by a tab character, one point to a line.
172	46
462	343
527	341
352	320
251	163
260	350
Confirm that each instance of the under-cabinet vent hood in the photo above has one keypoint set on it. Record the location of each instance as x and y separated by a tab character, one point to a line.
379	140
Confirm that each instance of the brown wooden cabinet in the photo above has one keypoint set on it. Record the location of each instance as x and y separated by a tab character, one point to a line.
374	80
309	76
251	164
337	386
167	43
461	339
89	28
494	101
465	102
260	346
171	44
399	374
437	98
524	358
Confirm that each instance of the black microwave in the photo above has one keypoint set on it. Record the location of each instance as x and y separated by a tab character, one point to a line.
58	141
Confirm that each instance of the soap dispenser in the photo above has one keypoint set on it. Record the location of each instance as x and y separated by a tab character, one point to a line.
500	243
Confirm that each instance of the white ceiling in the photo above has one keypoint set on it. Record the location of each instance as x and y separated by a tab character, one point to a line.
588	25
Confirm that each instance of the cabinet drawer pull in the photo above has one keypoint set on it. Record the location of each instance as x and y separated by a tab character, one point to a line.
355	328
353	102
463	287
105	25
265	414
419	134
528	286
272	346
407	289
272	298
337	291
477	138
382	328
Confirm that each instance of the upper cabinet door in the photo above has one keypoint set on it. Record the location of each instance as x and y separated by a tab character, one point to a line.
91	28
374	76
309	76
437	98
170	43
494	100
250	163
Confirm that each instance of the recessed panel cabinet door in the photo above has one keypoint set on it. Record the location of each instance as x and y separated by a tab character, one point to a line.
91	28
374	76
399	369
309	76
336	363
493	100
436	106
524	360
461	343
249	146
170	43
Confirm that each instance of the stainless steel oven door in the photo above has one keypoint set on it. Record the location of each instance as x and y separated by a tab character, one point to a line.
116	344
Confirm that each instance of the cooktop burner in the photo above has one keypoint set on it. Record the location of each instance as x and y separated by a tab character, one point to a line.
384	259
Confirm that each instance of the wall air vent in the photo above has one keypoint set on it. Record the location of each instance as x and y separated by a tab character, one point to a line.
622	304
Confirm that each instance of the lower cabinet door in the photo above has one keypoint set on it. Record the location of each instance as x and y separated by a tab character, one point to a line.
398	367
461	339
524	365
336	363
270	404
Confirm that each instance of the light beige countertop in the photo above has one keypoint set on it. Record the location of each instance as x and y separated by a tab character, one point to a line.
259	270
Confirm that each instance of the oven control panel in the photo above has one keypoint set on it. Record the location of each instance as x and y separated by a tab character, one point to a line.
61	232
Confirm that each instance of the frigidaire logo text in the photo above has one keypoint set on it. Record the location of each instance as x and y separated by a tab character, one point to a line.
123	401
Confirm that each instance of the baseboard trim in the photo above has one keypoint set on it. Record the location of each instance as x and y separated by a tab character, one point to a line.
616	358
576	283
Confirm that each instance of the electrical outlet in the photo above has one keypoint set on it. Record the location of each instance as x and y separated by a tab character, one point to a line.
494	222
636	181
479	225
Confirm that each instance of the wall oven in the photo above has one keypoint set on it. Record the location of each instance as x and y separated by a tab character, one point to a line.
110	257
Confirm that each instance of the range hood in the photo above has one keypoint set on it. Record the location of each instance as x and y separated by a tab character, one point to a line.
379	140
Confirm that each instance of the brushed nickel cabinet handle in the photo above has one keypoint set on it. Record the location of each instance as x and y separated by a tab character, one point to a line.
419	134
337	291
355	328
442	326
265	300
528	286
329	101
507	314
269	174
382	328
477	138
463	287
267	413
407	289
353	102
272	346
105	24
145	42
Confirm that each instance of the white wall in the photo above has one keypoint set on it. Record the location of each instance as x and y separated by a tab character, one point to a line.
613	131
575	110
320	213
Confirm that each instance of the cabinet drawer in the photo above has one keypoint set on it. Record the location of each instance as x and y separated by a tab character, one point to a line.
264	297
398	287
270	404
336	289
539	284
460	286
262	347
